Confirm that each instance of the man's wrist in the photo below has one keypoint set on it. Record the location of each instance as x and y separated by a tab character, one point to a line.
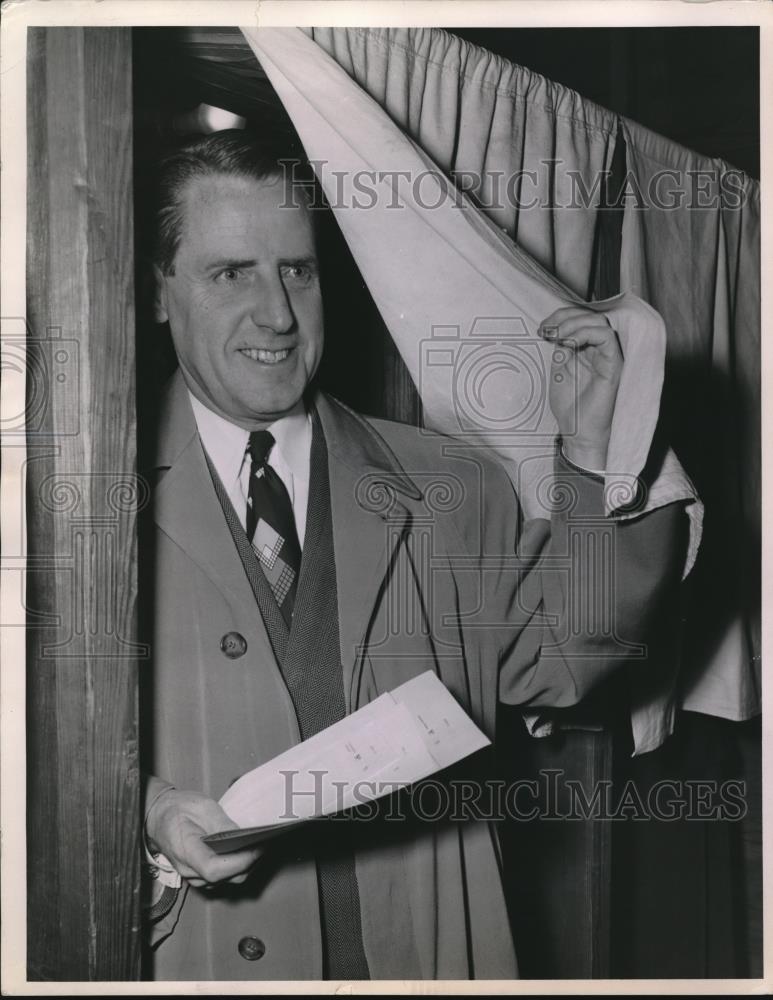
152	811
157	865
587	458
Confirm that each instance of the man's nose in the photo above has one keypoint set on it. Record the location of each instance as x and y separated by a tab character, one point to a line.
271	307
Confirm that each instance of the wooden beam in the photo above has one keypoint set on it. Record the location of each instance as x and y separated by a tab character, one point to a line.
82	500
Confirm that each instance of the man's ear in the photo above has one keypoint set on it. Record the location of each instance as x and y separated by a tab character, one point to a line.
160	312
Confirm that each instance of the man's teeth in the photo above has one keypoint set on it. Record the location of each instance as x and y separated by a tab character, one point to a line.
267	357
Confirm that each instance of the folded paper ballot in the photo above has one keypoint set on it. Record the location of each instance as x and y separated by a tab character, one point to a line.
401	737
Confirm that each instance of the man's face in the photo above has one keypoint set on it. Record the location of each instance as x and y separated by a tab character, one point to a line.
244	304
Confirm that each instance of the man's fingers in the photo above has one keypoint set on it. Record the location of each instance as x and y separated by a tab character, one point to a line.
198	860
218	869
569	348
573	324
214	867
566	322
238	863
199	883
588	336
238	879
181	822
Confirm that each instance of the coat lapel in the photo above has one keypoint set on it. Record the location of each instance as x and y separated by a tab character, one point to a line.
368	494
367	489
186	506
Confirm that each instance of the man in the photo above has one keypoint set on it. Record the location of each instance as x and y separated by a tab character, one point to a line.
287	565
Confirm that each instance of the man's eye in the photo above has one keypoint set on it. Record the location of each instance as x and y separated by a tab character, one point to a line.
298	272
228	275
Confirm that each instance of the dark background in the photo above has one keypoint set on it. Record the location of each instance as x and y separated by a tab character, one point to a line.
698	86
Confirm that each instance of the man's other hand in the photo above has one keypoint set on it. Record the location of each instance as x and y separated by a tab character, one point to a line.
584	378
175	825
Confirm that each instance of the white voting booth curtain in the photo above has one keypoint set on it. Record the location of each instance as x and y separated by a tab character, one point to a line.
461	298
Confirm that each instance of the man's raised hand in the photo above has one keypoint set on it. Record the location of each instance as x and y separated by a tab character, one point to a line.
584	378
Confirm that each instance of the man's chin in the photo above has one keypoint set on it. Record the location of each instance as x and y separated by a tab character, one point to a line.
267	411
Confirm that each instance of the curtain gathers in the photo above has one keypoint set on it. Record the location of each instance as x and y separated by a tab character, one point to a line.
525	149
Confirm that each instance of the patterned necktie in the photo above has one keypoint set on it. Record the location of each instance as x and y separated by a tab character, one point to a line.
271	525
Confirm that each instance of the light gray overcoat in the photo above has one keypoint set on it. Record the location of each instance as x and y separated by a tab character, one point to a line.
425	534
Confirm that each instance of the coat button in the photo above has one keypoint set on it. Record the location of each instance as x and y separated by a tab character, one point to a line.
234	645
251	948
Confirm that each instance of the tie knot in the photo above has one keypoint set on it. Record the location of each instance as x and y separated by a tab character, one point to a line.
261	443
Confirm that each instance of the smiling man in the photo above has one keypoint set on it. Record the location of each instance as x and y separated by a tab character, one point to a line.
243	298
278	578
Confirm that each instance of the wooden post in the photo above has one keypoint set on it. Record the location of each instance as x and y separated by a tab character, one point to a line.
82	501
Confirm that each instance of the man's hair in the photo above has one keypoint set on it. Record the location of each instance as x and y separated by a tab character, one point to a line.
233	153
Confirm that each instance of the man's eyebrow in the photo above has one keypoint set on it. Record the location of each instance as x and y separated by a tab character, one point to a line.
309	260
225	262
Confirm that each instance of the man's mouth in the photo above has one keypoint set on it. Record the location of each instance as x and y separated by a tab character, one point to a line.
264	356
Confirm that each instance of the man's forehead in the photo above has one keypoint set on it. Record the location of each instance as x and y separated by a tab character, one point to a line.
219	191
221	206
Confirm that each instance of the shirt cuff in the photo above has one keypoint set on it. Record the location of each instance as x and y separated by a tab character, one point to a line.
161	883
595	473
164	881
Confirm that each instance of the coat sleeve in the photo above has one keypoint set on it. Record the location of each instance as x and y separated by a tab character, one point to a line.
575	598
161	899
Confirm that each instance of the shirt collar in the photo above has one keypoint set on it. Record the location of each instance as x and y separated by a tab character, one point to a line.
226	443
292	434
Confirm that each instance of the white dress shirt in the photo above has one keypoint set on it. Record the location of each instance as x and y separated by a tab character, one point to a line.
290	457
